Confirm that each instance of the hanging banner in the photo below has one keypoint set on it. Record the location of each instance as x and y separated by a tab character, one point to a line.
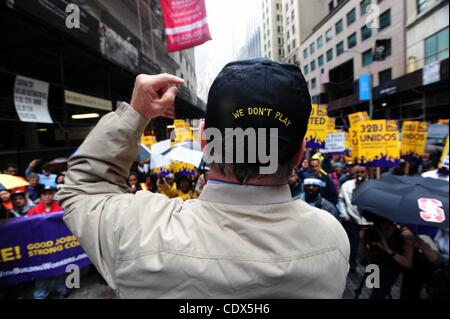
414	139
378	143
186	23
335	144
443	163
357	118
318	127
31	100
37	247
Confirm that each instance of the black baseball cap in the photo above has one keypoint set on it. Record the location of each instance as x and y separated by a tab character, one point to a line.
260	93
46	189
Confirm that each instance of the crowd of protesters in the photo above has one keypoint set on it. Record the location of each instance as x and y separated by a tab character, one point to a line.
325	182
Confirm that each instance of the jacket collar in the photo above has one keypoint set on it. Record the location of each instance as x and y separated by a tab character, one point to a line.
245	195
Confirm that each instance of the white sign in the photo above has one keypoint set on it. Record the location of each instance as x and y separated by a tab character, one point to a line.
87	101
161	147
432	73
31	100
335	143
185	155
159	160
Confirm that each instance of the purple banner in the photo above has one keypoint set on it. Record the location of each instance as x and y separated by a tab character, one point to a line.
37	247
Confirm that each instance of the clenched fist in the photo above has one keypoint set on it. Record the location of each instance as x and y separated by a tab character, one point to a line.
153	94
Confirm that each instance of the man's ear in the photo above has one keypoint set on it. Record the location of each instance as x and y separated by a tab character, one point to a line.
299	154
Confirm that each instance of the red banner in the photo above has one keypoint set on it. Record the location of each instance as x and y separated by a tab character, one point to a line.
186	23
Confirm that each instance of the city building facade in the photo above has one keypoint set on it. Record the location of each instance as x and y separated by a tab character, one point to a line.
84	71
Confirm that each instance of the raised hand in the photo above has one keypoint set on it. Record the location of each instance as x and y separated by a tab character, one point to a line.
153	94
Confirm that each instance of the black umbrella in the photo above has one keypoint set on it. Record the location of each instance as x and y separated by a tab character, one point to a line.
407	200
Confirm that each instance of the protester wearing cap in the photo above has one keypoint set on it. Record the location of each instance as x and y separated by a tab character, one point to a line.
329	191
35	187
46	178
21	204
47	202
311	195
244	237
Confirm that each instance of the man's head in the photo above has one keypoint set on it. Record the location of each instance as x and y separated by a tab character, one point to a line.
360	174
339	168
5	195
314	166
312	187
133	179
11	169
47	195
257	116
184	184
46	171
19	199
33	179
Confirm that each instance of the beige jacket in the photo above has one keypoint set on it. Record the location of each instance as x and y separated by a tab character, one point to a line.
233	242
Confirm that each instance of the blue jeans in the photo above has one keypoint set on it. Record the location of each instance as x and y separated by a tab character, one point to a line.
42	287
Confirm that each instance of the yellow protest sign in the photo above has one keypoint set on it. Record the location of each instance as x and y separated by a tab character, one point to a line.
148	140
183	132
354	143
378	143
317	127
331	124
443	164
414	139
357	118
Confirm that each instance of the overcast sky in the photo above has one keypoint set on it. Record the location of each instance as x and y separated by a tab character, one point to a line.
227	23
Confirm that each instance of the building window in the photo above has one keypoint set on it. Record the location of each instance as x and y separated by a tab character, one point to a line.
293	29
340	48
320	42
331	6
363	6
306	70
351	17
313	83
436	47
367	58
421	6
388	48
352	41
329	35
305	53
385	20
289	48
385	76
293	44
312	48
313	65
279	41
366	33
329	55
320	60
339	26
